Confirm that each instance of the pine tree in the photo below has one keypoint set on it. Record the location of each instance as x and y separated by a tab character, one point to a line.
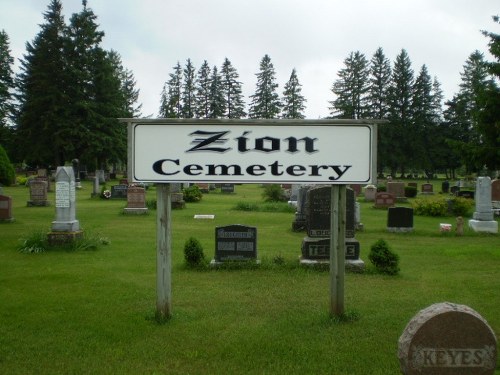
6	92
400	133
293	101
203	91
188	91
217	100
42	122
351	88
265	103
380	76
231	87
171	96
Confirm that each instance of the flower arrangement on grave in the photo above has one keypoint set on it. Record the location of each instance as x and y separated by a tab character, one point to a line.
105	194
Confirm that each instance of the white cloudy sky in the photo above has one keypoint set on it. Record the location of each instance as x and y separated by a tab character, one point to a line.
313	36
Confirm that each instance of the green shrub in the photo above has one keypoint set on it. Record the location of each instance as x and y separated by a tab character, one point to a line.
461	206
7	171
410	191
430	206
151	203
273	193
193	252
382	257
381	189
192	194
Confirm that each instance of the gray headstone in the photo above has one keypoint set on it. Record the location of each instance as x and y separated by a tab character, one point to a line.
65	201
235	242
396	188
370	193
484	207
38	193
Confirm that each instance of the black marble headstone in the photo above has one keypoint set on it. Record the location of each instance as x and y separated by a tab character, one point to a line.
235	242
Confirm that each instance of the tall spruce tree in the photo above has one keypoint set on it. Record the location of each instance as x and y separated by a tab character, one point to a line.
189	91
488	121
217	100
6	93
43	120
231	87
171	106
379	78
293	101
400	132
265	103
203	91
351	88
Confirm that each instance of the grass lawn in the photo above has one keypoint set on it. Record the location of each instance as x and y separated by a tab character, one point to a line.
92	312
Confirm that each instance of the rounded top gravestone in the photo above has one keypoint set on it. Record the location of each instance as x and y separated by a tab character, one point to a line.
447	338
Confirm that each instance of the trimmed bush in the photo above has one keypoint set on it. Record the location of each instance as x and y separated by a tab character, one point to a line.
410	191
192	194
430	206
273	193
461	206
193	252
382	257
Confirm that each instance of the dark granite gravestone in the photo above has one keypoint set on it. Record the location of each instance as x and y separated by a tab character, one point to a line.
466	194
235	242
447	339
384	200
445	187
227	188
299	222
400	219
6	208
119	191
318	211
454	190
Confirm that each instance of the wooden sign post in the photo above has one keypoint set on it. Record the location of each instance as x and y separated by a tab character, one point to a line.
337	249
163	252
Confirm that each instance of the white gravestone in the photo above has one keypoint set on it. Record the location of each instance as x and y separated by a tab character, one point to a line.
65	201
482	220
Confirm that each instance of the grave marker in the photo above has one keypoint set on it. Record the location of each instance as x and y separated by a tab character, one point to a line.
38	193
227	188
235	242
400	219
6	208
119	191
482	220
384	200
136	201
427	188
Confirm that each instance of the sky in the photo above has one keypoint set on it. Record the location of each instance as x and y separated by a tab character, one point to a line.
312	36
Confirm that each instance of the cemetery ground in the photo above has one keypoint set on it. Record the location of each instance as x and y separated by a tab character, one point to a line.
92	312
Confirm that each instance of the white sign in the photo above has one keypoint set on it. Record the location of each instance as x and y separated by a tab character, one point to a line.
244	151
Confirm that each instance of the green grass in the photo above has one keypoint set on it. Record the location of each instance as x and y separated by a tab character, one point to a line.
92	312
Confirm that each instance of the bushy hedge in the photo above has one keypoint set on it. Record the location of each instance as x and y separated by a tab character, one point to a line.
440	206
273	193
192	194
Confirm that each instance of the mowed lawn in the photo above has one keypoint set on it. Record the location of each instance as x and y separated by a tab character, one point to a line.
92	312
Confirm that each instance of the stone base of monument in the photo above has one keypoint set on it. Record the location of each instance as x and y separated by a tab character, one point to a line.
66	226
298	226
484	226
218	263
135	211
62	238
7	220
400	229
38	203
355	265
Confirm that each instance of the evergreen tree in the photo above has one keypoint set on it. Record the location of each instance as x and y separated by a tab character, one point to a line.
203	84
464	109
293	101
351	88
43	119
231	87
171	96
188	91
380	77
265	103
6	92
400	132
488	122
217	100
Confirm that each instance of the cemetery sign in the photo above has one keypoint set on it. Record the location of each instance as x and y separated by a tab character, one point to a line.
248	151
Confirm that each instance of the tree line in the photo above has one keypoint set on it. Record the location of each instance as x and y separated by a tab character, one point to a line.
65	102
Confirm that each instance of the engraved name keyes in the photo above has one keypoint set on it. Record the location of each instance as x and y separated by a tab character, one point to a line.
252	153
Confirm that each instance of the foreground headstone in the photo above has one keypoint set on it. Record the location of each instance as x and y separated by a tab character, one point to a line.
38	193
482	220
235	243
136	201
66	227
446	339
400	219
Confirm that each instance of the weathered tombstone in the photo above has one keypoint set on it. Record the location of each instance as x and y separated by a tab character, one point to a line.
235	242
316	246
445	187
177	197
6	208
384	200
66	227
136	201
119	191
370	193
101	176
95	187
299	222
76	172
42	172
397	189
227	188
482	220
38	193
446	338
204	188
427	188
400	219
